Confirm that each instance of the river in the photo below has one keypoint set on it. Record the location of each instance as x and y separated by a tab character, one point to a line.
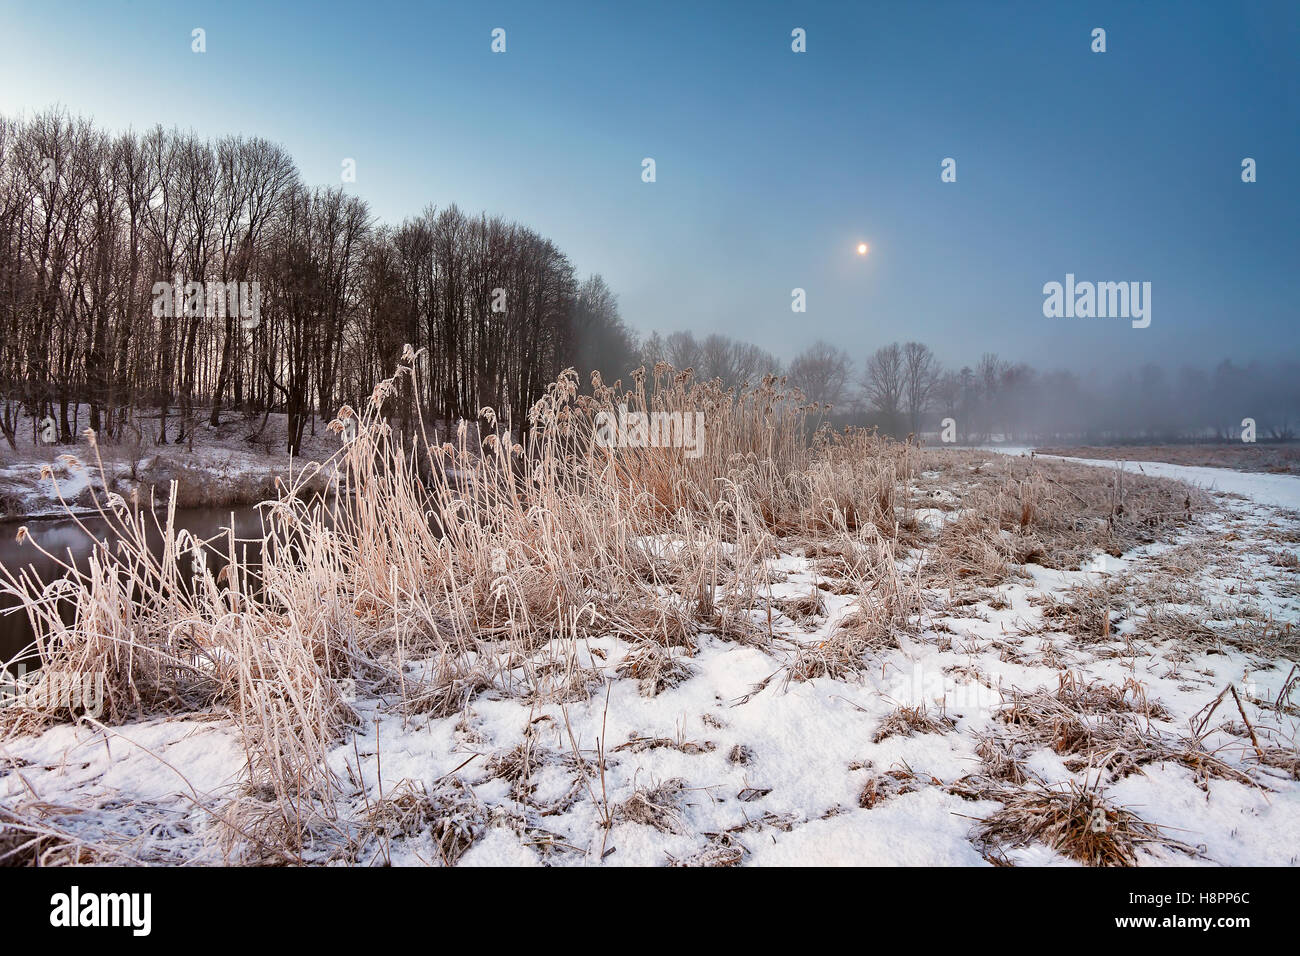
64	538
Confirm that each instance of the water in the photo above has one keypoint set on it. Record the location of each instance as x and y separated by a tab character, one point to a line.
61	537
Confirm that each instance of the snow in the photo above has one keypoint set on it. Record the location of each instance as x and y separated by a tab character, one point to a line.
776	765
926	828
1282	491
237	454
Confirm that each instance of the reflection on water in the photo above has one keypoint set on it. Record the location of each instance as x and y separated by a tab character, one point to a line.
64	537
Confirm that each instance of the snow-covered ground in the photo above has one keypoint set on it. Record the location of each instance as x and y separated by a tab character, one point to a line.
234	463
1280	490
738	762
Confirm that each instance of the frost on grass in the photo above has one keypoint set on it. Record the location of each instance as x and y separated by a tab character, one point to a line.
658	806
912	720
501	650
1076	821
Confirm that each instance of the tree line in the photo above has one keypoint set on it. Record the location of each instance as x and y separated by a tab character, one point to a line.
111	247
903	388
158	280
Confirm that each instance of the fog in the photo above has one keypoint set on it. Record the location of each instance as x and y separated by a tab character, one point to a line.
903	388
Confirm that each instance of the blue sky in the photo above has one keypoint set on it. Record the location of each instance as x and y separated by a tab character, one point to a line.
771	165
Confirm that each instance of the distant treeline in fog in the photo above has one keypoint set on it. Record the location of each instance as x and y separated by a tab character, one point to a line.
902	388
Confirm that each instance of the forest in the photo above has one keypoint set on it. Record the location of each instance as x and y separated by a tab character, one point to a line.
93	225
99	229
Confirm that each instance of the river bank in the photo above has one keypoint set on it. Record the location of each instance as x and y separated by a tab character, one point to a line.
234	464
1018	673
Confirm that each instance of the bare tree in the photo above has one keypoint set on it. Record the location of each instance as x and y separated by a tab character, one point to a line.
653	350
821	372
920	374
988	380
883	383
683	351
602	342
716	359
734	363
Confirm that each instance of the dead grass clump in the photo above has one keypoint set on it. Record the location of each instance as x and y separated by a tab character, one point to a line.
654	668
843	557
998	601
801	609
455	682
1262	637
855	481
740	754
887	606
723	849
451	817
1105	737
1089	615
23	842
516	766
1057	514
558	675
658	806
1185	560
37	833
1077	697
661	621
737	626
1286	759
636	745
259	827
845	651
890	784
1107	728
1285	559
906	721
973	550
1075	821
1001	762
1267	638
1160	625
1097	697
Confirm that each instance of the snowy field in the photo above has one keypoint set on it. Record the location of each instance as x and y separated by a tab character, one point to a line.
723	756
1281	491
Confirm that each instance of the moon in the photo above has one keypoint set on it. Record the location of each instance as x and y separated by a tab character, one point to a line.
862	248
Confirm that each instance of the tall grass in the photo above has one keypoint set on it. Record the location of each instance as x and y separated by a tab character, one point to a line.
486	559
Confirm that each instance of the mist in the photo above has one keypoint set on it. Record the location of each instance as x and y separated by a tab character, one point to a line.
904	389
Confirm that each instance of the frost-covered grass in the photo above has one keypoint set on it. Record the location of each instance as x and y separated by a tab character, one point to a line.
838	650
